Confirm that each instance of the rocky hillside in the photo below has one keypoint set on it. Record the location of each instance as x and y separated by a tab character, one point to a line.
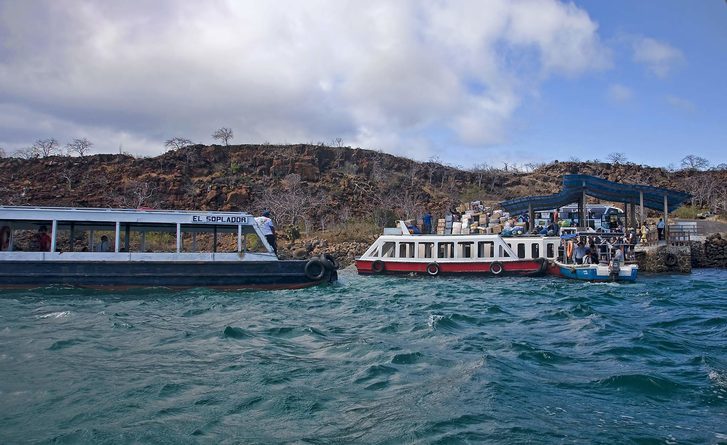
310	186
336	179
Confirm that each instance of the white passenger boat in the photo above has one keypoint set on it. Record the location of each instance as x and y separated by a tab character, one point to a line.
400	252
122	248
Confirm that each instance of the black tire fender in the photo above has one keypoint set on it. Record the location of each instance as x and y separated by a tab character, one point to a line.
330	261
433	269
496	268
378	266
315	269
671	260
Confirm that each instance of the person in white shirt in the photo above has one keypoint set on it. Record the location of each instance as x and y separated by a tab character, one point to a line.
268	229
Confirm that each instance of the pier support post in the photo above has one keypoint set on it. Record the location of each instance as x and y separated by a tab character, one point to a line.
632	214
666	218
531	218
641	203
584	222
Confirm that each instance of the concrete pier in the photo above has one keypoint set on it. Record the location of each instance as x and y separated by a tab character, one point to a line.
664	258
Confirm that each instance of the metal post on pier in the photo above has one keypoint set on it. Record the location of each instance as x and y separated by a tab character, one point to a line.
666	217
641	203
531	217
584	223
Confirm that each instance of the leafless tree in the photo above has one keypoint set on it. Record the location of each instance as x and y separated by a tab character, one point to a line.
616	158
408	206
176	143
139	194
45	147
25	153
81	146
2	152
289	205
223	134
337	142
69	176
692	162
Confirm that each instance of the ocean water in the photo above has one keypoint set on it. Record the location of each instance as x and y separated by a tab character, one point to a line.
371	360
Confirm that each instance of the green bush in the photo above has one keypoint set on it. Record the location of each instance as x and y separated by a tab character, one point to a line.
688	212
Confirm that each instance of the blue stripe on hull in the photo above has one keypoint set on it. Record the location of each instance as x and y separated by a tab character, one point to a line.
591	274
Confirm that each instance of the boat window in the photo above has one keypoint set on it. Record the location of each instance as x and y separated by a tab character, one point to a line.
503	253
388	249
521	250
26	236
85	237
485	249
535	250
251	242
207	238
550	250
148	238
465	249
445	250
425	250
406	250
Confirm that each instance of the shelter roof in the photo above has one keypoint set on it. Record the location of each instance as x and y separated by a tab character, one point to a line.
575	185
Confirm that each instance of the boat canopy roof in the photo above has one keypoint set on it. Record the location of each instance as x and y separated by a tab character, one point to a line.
575	185
138	216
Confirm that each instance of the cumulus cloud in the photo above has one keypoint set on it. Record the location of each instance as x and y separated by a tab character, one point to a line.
680	103
406	77
659	57
619	93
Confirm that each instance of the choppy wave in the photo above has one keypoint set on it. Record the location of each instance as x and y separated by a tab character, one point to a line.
372	360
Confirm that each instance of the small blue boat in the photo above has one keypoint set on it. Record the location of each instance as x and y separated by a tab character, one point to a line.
607	269
612	271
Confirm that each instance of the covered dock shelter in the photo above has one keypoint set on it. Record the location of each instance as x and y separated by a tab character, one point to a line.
577	187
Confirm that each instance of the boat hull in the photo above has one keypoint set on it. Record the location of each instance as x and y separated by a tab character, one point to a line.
124	275
593	272
523	268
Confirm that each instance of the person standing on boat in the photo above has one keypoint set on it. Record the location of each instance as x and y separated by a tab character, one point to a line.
268	229
427	223
579	253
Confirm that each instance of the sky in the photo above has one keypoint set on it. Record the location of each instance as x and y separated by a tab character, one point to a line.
464	82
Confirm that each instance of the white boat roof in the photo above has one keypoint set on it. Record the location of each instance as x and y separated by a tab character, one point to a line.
83	214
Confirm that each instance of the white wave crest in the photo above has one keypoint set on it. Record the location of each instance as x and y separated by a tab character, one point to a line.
63	314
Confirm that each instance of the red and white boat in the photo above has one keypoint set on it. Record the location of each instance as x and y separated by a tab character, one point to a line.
400	252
